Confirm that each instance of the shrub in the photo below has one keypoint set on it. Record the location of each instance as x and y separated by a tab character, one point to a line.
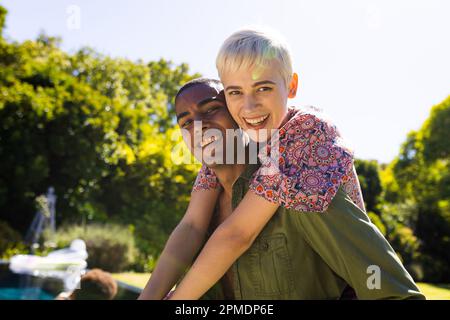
14	249
110	247
405	243
144	263
434	270
376	220
399	220
10	240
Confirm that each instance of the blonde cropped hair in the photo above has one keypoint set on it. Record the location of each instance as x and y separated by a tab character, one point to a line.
254	47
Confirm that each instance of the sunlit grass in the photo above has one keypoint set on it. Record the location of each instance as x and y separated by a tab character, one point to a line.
435	291
133	279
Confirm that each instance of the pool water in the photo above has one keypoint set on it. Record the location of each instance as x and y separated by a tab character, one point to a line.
26	287
25	294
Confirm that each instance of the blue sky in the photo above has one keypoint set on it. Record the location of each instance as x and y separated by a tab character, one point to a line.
376	67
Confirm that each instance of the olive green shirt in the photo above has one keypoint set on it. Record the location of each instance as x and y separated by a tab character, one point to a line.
304	255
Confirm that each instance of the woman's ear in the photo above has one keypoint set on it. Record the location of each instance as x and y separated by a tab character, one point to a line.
293	86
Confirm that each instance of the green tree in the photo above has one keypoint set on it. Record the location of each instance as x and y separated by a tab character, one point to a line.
3	13
95	128
421	175
166	79
369	179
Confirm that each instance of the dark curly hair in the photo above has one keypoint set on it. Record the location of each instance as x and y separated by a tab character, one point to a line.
96	284
206	81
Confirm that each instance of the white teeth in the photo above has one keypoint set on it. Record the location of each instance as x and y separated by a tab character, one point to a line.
207	141
256	120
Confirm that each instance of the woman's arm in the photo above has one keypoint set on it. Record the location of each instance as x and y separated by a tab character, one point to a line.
230	240
184	242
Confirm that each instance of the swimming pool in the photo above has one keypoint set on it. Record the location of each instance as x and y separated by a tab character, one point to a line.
26	287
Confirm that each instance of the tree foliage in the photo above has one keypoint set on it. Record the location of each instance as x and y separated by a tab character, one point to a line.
420	175
97	129
369	179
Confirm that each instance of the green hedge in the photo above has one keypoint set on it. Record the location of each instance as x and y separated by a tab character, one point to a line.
110	247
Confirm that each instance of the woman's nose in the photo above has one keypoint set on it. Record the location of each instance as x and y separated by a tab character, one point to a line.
249	103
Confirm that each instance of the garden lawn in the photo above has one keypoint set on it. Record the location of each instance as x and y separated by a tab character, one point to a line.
435	291
133	279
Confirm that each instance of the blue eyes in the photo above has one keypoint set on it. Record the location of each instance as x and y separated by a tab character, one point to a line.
261	89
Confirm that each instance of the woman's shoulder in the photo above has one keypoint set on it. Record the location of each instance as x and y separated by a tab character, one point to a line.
307	121
311	138
309	168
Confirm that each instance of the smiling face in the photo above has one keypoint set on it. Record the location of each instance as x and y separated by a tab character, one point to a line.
257	97
205	103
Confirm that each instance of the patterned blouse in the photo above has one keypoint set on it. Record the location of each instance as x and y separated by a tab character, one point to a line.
313	163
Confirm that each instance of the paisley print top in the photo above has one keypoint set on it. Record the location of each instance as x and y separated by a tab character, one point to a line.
313	162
